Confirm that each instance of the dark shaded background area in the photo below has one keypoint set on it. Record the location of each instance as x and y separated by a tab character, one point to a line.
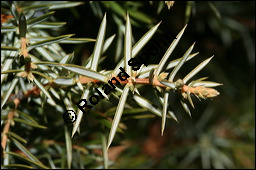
222	126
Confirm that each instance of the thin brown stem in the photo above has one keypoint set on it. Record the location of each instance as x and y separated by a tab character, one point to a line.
85	80
35	91
6	128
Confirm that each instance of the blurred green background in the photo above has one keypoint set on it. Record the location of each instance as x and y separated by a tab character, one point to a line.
221	133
